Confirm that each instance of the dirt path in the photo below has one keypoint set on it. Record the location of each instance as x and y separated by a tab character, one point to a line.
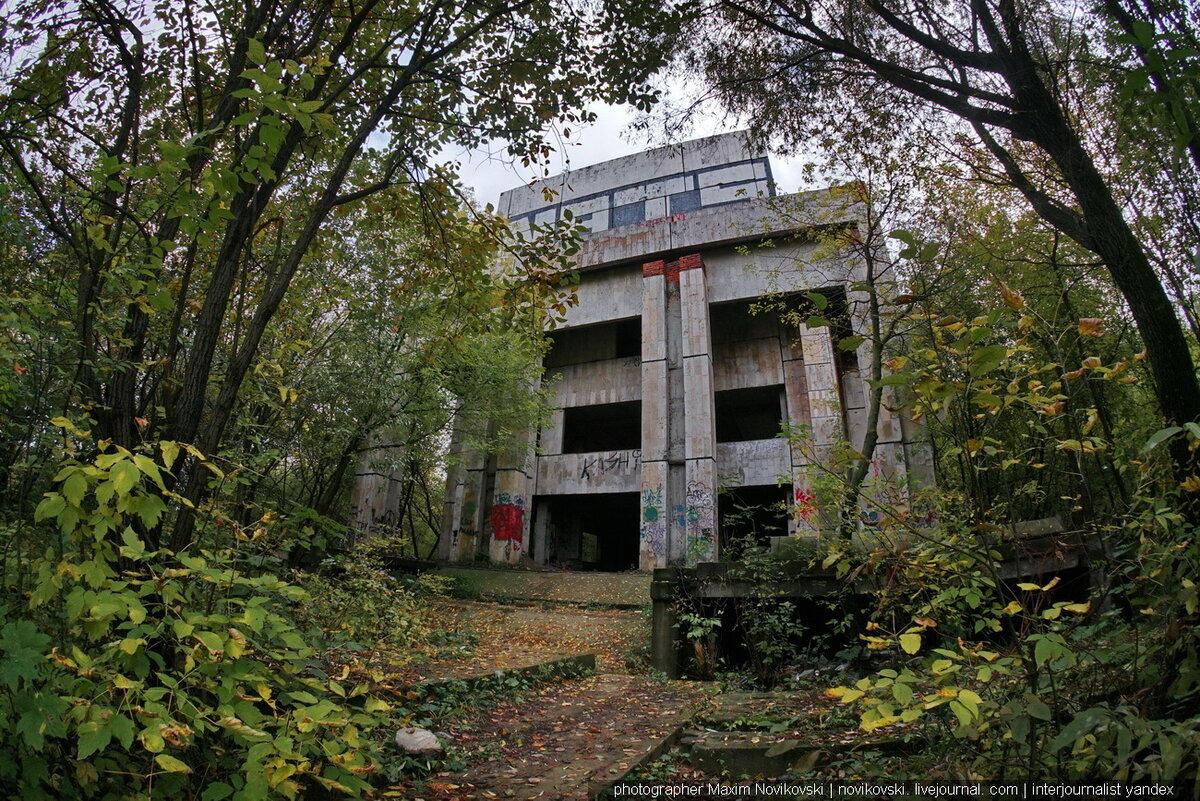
515	635
564	740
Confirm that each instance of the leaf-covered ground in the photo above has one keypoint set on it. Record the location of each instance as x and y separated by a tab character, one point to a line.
562	740
477	637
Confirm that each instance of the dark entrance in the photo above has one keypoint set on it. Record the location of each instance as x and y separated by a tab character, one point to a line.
752	514
594	532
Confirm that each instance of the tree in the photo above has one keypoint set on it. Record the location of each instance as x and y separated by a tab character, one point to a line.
182	162
1011	73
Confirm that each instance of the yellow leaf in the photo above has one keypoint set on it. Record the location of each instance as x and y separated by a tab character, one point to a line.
911	643
1091	327
1011	297
171	765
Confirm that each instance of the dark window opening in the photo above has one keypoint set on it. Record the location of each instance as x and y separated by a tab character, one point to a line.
606	427
629	338
591	343
594	532
747	414
751	516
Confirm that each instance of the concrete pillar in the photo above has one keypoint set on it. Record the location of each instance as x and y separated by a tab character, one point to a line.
826	418
462	515
664	624
375	495
654	548
700	434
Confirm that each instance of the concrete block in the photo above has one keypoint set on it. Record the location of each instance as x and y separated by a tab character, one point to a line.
723	194
699	417
588	206
700	512
853	396
734	174
821	378
598	222
753	463
586	473
749	363
817	346
656	208
611	294
551	437
654	527
827	430
603	381
693	301
654	410
654	323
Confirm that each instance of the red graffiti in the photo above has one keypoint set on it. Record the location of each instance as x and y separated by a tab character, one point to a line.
508	521
805	503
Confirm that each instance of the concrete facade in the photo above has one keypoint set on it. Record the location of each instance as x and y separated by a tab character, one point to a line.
670	386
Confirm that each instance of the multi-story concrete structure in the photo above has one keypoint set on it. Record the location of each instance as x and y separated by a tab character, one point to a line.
670	385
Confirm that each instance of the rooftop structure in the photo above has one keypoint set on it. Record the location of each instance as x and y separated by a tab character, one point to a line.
670	384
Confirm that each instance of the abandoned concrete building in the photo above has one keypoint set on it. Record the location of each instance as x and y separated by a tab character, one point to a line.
672	378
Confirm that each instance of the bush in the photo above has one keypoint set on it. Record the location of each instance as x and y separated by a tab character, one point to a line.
159	675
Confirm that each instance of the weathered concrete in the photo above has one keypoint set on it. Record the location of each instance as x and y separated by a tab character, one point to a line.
683	240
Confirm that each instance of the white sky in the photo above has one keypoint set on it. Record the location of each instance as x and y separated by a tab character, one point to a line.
608	138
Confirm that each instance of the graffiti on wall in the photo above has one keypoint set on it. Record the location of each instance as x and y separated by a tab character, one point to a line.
596	466
654	522
508	519
700	517
806	504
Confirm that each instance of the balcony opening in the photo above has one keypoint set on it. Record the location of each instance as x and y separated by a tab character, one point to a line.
604	427
748	414
592	343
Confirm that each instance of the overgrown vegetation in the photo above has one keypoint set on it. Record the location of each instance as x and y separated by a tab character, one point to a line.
236	267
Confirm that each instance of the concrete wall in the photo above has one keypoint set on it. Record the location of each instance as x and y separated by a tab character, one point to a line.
685	280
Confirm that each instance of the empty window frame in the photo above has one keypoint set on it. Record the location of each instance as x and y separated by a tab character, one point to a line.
749	414
604	427
616	340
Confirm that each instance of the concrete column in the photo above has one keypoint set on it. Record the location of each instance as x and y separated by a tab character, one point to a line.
508	519
700	435
654	549
826	420
375	494
462	517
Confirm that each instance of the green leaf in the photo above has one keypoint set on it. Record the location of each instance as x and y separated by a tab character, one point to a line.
1083	723
50	506
216	791
1159	437
124	476
94	737
987	358
911	643
850	343
1037	708
74	487
256	52
171	765
818	300
896	380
